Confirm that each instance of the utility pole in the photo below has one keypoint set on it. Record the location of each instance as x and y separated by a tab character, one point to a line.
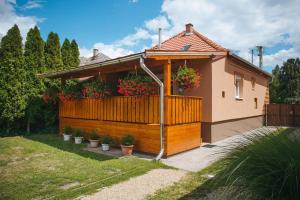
260	55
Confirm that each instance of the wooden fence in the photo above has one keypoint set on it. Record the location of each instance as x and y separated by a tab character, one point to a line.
179	109
283	115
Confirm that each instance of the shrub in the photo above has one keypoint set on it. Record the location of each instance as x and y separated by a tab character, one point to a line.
94	136
68	130
127	140
106	139
268	165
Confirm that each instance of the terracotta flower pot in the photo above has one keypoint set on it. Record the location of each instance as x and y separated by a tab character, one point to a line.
127	150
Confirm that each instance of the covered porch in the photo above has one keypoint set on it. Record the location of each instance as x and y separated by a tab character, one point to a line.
138	116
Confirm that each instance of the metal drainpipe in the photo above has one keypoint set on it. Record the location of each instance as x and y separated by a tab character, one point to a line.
161	98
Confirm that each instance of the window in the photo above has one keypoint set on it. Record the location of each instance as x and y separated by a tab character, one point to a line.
238	86
255	103
253	83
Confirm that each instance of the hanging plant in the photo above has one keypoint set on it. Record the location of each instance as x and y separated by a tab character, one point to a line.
137	85
186	78
50	95
96	89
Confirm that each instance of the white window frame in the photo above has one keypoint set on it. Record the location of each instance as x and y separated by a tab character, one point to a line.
238	86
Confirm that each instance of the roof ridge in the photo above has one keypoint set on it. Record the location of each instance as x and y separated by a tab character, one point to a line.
209	41
156	46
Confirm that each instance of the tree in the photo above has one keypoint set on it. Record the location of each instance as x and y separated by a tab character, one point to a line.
12	78
34	63
66	54
289	78
75	54
285	86
274	86
53	53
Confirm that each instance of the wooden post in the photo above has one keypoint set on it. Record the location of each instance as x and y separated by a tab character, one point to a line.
167	91
167	78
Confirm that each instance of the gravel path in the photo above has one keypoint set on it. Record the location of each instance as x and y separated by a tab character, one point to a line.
139	187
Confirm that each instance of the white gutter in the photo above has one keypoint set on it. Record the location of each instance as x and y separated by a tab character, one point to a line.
161	99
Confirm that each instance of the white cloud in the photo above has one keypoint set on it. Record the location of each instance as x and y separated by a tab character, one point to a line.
8	18
111	50
158	22
239	26
31	4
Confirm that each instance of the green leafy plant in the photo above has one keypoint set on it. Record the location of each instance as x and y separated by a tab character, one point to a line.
68	130
78	133
94	136
127	140
186	78
106	139
96	89
266	164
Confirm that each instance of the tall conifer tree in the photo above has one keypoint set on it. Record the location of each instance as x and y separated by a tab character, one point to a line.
53	53
66	54
34	63
75	54
12	78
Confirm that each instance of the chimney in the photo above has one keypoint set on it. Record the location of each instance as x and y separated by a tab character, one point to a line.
188	29
260	55
159	38
95	52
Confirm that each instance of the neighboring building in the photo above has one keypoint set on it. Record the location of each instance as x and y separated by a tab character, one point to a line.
96	58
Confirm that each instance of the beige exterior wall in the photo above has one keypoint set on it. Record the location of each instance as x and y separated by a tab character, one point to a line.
218	75
205	89
223	80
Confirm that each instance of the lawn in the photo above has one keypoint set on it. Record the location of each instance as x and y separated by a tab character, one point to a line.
45	167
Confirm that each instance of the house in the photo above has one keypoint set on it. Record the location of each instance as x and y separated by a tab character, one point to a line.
230	99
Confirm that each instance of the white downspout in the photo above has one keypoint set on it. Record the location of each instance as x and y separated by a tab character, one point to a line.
161	99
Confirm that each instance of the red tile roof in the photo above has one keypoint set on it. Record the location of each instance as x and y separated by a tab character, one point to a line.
197	41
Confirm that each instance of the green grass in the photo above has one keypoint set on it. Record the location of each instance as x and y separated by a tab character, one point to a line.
267	167
36	167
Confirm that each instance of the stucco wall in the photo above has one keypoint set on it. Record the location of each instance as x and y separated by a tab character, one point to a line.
228	107
205	89
218	76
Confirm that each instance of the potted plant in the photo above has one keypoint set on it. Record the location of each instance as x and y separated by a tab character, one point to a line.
186	78
94	139
67	133
127	143
105	142
78	135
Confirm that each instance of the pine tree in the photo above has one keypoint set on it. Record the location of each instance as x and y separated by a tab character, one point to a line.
34	63
75	54
12	78
52	53
66	54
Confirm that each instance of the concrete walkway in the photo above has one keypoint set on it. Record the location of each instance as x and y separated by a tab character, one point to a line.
138	188
200	158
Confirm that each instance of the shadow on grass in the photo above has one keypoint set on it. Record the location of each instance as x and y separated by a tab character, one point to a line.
69	146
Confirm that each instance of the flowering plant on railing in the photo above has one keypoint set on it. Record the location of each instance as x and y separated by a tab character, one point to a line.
96	89
137	85
50	95
186	78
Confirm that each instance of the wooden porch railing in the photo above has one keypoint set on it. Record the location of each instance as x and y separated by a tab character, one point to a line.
178	109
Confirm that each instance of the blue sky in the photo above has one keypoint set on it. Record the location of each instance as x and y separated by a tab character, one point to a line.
120	27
